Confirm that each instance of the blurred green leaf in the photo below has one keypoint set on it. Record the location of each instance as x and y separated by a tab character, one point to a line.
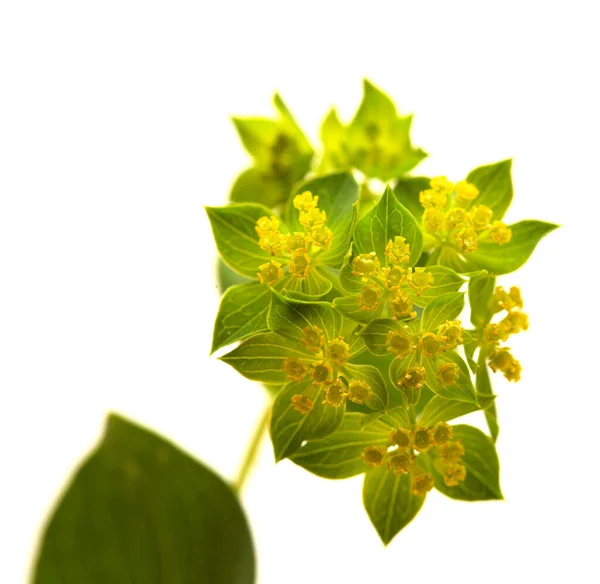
443	308
141	510
495	187
481	290
407	191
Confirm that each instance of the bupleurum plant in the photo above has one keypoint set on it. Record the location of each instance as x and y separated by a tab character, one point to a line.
351	305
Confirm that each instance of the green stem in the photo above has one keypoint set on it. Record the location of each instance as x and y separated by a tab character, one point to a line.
252	451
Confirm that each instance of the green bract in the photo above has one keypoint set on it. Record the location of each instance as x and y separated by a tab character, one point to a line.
358	324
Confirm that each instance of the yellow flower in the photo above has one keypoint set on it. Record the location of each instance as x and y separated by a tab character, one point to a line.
442	432
295	242
365	265
413	378
451	333
466	239
302	404
503	300
394	277
270	273
500	232
422	439
421	483
496	332
431	198
451	452
312	338
399	343
269	236
400	462
313	218
448	374
338	351
434	220
502	360
400	305
373	455
456	217
481	217
265	224
454	474
420	279
305	201
321	236
400	437
300	264
430	344
359	392
368	299
335	394
516	321
321	372
398	250
465	191
294	369
441	184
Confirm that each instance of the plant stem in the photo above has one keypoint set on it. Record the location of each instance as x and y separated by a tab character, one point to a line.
252	451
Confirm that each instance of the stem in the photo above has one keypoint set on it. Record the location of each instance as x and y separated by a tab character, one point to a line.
252	451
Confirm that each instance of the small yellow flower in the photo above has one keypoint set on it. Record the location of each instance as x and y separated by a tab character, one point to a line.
398	250
373	455
413	378
394	277
441	184
465	191
422	439
365	265
321	372
454	474
448	374
295	242
305	201
400	437
335	394
466	239
338	351
496	332
420	279
481	216
431	344
270	273
321	236
302	404
399	343
432	199
269	236
516	321
368	299
442	432
313	218
502	360
452	452
312	338
400	462
456	217
434	220
451	333
359	392
503	300
400	305
421	483
300	264
265	224
500	232
294	369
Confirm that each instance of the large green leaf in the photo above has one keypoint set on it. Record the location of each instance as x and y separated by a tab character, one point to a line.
235	235
381	224
338	456
375	334
350	308
242	312
495	186
312	287
481	461
439	409
141	510
289	317
256	186
261	357
226	277
290	428
445	280
389	502
503	259
462	390
481	290
443	308
407	191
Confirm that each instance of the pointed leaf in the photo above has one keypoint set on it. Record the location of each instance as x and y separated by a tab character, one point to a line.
371	376
462	389
375	334
439	409
350	308
494	182
314	286
484	387
443	308
481	290
445	281
407	191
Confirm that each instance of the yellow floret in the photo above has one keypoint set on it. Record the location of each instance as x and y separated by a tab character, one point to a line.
295	242
434	220
399	343
368	299
420	279
422	439
294	369
321	236
451	333
335	394
359	392
398	250
365	265
481	216
465	191
466	239
432	199
305	201
500	232
373	455
454	474
312	338
270	273
448	374
451	452
338	351
401	306
400	462
421	483
431	344
400	437
299	265
302	404
321	372
442	433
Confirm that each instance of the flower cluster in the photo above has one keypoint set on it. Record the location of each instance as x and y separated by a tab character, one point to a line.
401	455
514	322
293	251
390	285
451	216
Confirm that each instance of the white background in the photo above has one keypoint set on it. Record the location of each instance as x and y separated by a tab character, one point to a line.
115	131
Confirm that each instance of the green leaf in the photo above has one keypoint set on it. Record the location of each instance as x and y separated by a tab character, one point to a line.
389	502
332	136
381	224
338	456
242	312
443	308
462	390
141	510
375	334
482	482
481	290
255	134
290	428
495	187
290	125
407	191
484	387
470	345
445	281
350	308
372	376
289	317
226	277
256	186
315	285
396	418
503	259
235	235
397	370
439	409
261	357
